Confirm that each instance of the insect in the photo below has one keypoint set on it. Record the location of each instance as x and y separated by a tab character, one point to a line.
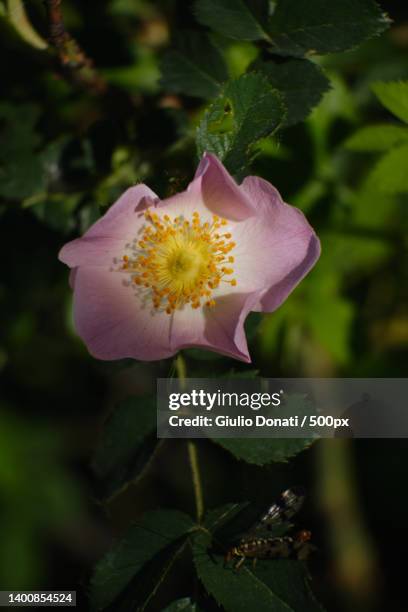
256	543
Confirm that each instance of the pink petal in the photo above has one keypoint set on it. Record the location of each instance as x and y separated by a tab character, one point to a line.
114	324
184	204
129	201
213	191
220	328
278	293
275	249
219	191
225	329
107	237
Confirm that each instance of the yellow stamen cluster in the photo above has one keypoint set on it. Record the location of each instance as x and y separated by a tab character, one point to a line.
179	261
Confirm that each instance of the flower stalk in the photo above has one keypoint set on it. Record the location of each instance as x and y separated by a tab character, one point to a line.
197	484
192	448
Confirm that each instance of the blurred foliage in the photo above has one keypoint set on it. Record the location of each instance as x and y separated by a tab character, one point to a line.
389	175
329	131
38	497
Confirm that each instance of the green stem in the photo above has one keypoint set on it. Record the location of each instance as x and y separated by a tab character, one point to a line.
181	370
195	471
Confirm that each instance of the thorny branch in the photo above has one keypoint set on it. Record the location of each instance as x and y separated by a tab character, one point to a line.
74	61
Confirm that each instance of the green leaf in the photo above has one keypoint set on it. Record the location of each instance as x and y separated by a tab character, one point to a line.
127	445
301	83
279	585
195	67
394	96
21	166
261	451
377	137
295	27
390	175
28	173
247	110
242	19
154	542
217	518
56	210
182	605
300	27
228	522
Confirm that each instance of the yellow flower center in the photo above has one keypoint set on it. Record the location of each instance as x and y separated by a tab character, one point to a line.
180	262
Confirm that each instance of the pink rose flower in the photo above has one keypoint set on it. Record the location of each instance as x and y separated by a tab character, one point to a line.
155	276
